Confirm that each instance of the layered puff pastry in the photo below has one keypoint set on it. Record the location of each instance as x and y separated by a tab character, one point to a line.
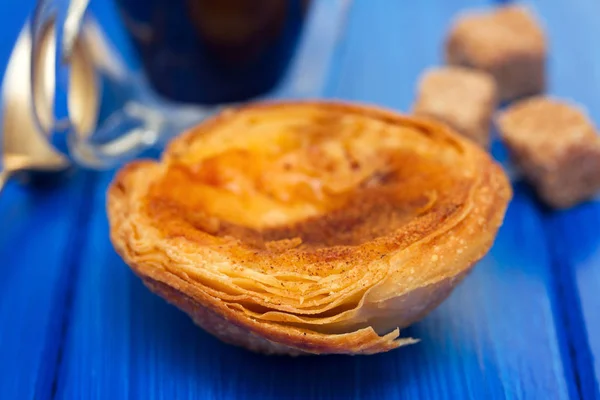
308	227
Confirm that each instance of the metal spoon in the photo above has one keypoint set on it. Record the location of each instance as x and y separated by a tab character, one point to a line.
24	150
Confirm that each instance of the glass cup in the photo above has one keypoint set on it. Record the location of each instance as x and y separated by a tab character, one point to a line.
161	66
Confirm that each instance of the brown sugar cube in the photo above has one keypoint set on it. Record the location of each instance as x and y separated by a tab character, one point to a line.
508	43
555	146
463	99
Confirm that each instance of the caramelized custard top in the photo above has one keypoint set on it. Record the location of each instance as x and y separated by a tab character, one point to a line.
281	178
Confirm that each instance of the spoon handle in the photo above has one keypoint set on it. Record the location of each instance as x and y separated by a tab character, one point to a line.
5	174
12	163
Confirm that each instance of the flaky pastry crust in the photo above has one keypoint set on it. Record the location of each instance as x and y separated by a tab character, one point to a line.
308	227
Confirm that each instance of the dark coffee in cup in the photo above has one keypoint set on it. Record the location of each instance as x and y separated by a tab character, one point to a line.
214	51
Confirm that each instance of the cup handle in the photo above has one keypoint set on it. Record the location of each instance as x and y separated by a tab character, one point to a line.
55	28
59	36
143	120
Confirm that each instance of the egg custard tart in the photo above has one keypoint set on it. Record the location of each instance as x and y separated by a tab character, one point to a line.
308	227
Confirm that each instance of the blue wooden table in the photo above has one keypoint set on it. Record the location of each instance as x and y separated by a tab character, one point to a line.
76	324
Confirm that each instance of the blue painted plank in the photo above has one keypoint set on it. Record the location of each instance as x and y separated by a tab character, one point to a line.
575	234
496	337
575	239
40	230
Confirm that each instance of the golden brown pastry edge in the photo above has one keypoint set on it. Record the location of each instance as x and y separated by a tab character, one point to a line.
272	338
